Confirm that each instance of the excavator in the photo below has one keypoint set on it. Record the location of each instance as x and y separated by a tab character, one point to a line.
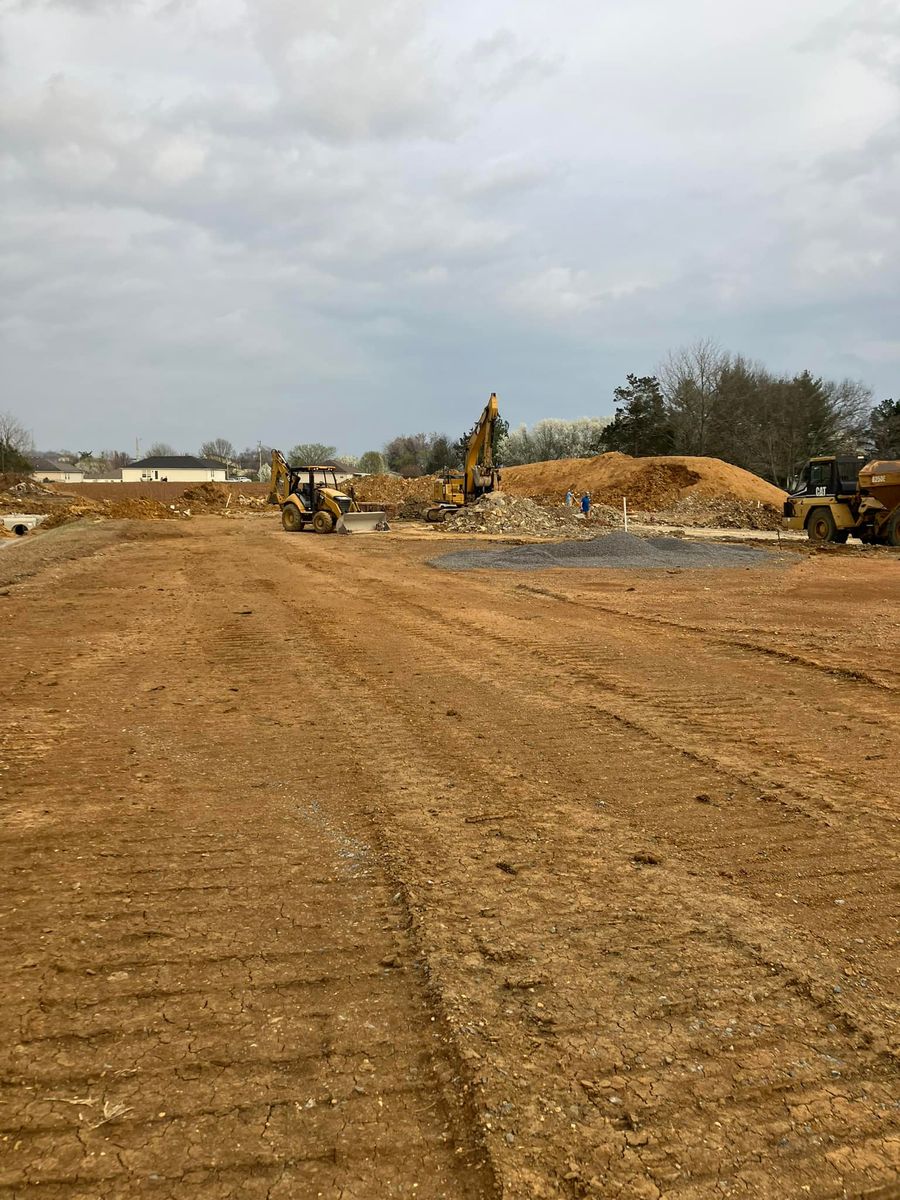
458	488
311	499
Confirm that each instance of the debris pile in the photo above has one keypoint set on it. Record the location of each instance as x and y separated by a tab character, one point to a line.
614	551
498	512
721	512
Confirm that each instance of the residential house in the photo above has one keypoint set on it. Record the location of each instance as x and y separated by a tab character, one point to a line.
174	468
50	470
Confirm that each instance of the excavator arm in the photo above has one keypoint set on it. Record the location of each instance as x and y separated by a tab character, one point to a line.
280	483
480	450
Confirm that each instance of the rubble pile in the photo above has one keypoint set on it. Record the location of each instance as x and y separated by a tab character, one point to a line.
498	512
723	512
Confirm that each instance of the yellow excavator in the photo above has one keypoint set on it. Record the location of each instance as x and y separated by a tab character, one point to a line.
311	499
479	475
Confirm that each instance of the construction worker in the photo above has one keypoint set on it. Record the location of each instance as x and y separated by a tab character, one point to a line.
586	504
570	497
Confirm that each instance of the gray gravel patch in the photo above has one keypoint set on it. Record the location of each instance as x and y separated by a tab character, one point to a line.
615	551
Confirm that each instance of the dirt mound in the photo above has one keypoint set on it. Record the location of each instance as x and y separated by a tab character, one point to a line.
399	497
206	495
502	513
126	509
650	484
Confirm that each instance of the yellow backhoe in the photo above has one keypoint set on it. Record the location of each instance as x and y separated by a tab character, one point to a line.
479	475
311	499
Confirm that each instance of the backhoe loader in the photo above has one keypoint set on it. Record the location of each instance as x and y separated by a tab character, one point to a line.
311	499
479	475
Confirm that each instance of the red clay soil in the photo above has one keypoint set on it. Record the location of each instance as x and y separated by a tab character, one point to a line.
571	885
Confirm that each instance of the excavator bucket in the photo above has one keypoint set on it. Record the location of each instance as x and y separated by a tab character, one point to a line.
362	522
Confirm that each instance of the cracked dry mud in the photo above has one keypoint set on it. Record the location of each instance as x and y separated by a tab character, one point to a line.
327	873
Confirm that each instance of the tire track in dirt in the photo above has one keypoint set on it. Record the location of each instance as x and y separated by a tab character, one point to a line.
214	992
798	1050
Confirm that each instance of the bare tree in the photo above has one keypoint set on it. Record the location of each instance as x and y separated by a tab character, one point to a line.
690	382
15	443
219	449
161	450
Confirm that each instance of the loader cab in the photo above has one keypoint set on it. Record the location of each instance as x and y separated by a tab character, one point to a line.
829	477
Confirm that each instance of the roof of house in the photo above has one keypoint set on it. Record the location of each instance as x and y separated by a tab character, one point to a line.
173	462
40	462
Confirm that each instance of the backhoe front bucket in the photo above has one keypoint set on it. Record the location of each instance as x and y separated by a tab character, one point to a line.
362	522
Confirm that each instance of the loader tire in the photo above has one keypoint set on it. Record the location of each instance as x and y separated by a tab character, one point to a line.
323	522
820	526
291	519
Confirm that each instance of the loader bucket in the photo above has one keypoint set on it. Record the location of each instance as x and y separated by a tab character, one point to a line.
362	522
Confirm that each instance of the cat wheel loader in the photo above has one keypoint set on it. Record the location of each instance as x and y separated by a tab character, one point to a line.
479	475
310	498
839	497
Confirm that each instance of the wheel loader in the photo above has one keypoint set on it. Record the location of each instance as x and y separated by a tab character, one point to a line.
310	498
479	475
838	497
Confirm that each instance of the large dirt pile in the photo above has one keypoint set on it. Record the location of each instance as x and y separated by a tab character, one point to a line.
650	484
499	512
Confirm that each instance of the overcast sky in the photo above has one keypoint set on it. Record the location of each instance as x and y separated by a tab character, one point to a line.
338	220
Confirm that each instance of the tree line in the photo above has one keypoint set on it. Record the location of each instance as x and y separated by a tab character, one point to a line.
702	400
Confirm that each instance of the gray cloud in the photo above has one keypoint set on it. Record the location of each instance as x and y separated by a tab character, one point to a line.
337	220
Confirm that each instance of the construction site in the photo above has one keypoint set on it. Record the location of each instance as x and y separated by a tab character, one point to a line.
509	851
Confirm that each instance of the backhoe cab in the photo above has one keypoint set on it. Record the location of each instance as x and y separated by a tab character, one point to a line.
311	499
479	475
840	496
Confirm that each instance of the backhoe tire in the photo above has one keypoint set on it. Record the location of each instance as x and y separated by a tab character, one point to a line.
893	529
820	526
291	519
323	522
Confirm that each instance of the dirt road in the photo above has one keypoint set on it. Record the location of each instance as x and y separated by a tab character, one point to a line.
329	873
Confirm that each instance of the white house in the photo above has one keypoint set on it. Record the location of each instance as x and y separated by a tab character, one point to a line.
174	468
48	470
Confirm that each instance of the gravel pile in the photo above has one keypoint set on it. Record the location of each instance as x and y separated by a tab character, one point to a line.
615	551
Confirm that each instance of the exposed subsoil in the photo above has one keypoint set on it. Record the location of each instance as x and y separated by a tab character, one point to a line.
331	874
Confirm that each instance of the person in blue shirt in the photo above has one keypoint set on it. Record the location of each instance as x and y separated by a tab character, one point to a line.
586	504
